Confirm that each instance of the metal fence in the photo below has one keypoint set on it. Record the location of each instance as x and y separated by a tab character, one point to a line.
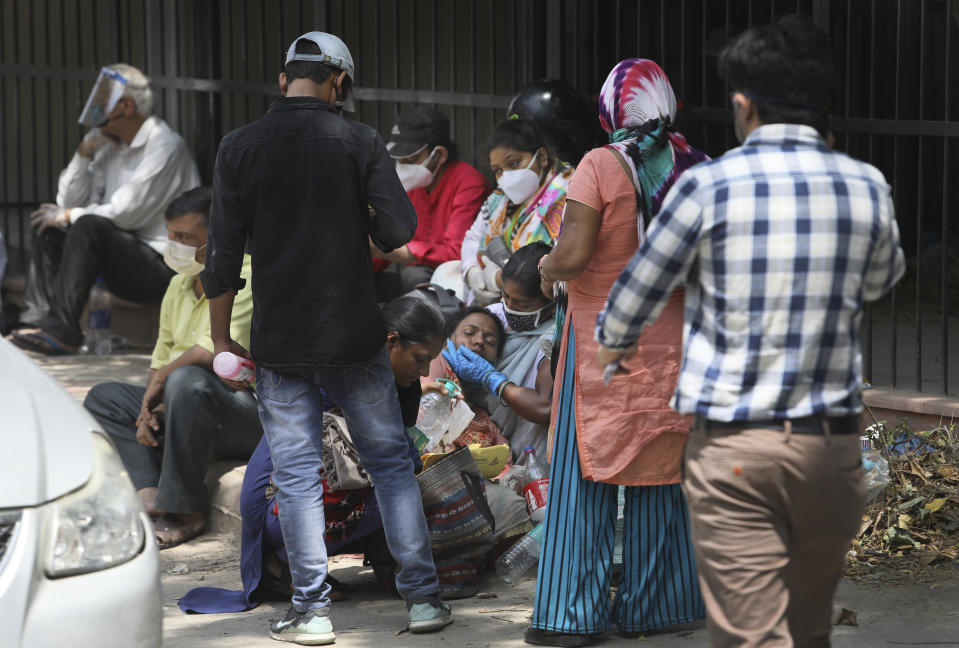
214	65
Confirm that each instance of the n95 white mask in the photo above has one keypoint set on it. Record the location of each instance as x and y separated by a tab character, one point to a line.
520	184
415	176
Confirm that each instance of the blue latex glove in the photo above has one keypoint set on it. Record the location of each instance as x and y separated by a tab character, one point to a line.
474	368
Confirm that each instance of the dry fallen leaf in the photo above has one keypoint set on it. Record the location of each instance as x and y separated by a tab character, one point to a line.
935	504
847	617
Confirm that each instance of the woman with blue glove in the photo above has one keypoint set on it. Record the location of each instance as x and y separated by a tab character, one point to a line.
514	385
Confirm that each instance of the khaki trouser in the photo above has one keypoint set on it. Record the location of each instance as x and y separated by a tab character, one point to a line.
772	515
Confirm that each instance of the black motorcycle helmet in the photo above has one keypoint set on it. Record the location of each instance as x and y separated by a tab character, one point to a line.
569	122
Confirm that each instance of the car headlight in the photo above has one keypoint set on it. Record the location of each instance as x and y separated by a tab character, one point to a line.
97	526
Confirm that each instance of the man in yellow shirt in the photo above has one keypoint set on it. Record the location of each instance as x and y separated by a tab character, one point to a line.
167	431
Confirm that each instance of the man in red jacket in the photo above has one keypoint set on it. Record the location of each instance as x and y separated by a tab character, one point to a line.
446	193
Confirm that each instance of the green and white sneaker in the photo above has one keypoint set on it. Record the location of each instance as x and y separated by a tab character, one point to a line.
312	628
428	614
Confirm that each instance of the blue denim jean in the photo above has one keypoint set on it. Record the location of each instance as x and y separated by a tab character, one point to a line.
291	409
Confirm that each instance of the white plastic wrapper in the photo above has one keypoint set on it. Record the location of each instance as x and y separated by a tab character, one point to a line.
103	98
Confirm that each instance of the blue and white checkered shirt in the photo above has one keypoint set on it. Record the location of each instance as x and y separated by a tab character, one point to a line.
780	242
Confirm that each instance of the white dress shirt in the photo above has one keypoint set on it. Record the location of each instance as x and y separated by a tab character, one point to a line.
131	185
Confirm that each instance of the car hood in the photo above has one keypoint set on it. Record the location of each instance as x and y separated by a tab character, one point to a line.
46	447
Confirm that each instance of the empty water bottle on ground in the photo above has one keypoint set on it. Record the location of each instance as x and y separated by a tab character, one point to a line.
524	554
535	486
876	468
101	339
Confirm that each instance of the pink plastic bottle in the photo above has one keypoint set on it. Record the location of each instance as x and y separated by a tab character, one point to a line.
233	367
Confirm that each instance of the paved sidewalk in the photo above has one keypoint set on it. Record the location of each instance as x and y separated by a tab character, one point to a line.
924	614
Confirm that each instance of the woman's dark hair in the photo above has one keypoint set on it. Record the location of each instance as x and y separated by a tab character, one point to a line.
523	268
521	135
500	331
786	68
313	70
196	200
416	320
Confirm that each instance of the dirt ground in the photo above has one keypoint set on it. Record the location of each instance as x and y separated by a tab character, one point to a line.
894	603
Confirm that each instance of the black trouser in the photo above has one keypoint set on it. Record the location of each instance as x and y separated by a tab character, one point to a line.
204	418
397	280
64	265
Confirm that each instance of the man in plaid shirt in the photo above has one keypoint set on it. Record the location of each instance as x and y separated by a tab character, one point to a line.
780	242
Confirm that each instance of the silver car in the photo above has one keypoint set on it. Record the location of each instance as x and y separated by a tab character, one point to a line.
77	566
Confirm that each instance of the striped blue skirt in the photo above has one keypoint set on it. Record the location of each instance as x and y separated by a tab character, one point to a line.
659	584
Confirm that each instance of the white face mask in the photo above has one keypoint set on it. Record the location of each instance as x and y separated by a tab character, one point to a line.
414	176
182	258
520	184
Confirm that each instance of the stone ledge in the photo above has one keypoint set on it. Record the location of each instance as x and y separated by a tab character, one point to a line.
224	480
923	411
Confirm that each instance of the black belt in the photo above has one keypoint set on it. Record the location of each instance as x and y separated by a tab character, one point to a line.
839	425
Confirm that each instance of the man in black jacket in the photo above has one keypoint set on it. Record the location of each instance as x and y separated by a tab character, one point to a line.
298	185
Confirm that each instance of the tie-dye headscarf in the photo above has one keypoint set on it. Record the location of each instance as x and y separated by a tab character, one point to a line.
637	108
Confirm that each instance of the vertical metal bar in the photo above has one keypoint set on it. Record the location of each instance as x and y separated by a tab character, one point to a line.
21	239
512	48
48	60
575	48
396	59
919	197
229	98
868	311
4	199
895	190
128	34
554	36
452	7
946	183
619	32
704	62
662	34
726	131
244	59
595	28
433	46
682	48
473	83
413	45
376	46
490	112
639	27
35	165
847	83
78	129
265	102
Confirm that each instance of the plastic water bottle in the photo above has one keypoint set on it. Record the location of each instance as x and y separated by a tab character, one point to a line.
233	367
436	410
101	339
523	555
876	469
535	486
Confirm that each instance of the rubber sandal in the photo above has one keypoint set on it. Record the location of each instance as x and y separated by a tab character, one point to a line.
40	342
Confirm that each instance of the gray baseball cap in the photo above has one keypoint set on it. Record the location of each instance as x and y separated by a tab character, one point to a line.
333	52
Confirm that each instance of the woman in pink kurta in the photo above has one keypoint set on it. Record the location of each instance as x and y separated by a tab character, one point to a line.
623	433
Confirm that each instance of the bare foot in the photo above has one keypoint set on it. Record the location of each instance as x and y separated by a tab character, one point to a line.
147	495
172	529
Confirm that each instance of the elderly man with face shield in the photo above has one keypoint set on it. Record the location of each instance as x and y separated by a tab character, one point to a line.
108	215
167	431
445	191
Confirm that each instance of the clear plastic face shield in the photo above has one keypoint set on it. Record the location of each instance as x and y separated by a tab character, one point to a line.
103	98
